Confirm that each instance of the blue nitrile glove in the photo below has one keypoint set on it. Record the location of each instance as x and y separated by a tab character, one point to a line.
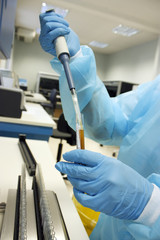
106	184
53	26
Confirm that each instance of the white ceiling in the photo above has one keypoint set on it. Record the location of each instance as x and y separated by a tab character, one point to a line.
94	19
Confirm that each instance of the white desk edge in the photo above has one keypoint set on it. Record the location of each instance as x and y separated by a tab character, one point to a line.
35	115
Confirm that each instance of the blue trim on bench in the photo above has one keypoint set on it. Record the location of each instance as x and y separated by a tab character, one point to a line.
31	131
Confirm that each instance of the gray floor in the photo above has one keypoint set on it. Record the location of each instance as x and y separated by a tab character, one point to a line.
89	145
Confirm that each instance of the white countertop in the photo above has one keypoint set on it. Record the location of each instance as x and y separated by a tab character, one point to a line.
11	164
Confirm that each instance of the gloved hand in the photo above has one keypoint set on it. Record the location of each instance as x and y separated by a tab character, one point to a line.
53	26
106	184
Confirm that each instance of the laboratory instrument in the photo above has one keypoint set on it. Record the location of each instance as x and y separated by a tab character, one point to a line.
64	56
12	102
32	213
45	198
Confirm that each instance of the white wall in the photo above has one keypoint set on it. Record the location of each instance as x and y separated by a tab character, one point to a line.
132	65
29	59
136	64
101	63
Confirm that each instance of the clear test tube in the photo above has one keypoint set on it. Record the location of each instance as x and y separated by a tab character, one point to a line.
79	123
80	135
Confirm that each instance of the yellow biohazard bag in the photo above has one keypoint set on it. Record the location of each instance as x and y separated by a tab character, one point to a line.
88	216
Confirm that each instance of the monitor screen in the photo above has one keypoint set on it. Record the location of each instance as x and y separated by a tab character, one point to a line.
112	87
112	90
48	84
8	79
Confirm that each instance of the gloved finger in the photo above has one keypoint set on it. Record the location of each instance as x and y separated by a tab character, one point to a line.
50	26
76	170
52	17
85	199
48	20
98	202
49	13
57	32
90	187
51	36
85	157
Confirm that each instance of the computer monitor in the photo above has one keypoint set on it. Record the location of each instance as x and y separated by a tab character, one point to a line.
8	79
46	82
115	88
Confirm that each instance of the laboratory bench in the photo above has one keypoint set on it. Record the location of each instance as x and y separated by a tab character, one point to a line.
34	122
34	97
11	167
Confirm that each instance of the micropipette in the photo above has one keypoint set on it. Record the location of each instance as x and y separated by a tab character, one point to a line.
63	55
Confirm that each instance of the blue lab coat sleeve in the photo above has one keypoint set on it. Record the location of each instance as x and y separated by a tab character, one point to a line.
106	120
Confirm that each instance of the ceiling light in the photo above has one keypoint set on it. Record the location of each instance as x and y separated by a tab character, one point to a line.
125	31
45	7
98	44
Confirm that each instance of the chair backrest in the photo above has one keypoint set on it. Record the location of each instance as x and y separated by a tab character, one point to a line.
52	97
63	126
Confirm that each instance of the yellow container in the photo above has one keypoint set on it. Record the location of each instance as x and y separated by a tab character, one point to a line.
88	216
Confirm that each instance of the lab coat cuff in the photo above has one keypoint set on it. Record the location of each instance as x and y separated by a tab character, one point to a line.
78	54
152	210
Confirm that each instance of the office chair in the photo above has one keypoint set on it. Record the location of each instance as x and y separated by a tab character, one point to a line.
49	107
63	132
